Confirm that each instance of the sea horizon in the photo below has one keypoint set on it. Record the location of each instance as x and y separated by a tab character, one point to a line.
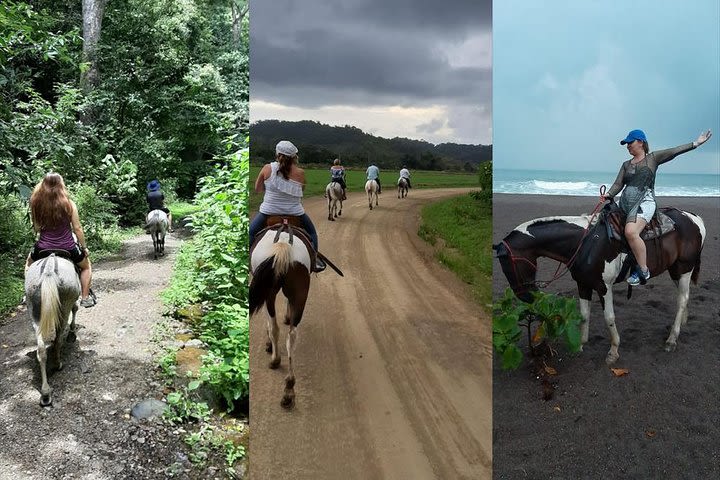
552	182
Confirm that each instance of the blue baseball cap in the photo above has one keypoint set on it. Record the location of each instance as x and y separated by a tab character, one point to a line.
634	135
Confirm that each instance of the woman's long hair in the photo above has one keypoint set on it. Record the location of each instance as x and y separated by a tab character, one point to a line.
50	204
286	164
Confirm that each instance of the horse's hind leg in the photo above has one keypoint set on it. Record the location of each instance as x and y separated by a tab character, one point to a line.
297	297
683	285
340	212
273	332
71	336
585	324
45	390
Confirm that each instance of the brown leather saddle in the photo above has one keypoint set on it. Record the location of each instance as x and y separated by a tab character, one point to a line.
293	227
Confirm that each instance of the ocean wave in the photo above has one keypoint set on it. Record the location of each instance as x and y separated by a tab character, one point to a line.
561	185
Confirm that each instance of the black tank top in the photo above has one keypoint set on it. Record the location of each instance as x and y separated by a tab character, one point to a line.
155	200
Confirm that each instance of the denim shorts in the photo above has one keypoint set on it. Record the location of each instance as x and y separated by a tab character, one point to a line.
646	210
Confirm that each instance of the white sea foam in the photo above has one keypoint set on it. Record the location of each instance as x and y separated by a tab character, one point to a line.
561	185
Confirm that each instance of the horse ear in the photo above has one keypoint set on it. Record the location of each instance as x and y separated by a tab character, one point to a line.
496	246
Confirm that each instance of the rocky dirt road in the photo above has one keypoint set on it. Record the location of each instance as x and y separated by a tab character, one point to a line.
393	361
88	432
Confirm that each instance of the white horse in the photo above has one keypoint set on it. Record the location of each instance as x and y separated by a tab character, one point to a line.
371	188
157	226
402	187
334	194
52	288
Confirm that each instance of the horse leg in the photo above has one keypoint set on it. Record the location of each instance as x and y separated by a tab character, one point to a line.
585	324
340	212
288	400
273	332
330	217
297	293
609	313
45	390
683	285
71	336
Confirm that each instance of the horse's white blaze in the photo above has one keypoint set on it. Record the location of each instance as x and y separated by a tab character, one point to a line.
582	221
263	250
699	222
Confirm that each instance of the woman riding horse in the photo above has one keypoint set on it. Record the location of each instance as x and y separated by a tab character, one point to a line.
55	217
283	183
637	175
337	174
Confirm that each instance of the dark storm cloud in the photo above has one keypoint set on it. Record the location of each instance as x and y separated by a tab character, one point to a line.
312	53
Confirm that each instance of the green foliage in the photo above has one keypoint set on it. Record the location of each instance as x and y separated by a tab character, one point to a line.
184	409
465	227
558	317
485	179
213	269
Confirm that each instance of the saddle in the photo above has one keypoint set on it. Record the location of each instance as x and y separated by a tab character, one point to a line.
58	253
290	225
660	224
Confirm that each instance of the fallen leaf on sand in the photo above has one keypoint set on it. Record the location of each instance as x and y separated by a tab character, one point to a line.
650	433
619	372
556	408
550	370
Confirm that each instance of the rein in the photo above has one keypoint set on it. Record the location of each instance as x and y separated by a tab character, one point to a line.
568	264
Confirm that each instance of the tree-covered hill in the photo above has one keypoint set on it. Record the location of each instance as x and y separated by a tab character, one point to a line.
319	144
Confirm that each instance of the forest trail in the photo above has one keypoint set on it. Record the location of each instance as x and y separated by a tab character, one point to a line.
393	361
88	432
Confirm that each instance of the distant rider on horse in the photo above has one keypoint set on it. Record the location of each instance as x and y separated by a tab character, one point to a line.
155	200
405	173
373	173
55	217
337	174
283	183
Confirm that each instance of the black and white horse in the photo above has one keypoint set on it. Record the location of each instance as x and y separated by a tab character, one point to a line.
52	288
596	261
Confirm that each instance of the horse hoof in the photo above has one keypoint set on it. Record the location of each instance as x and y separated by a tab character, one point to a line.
670	347
274	363
611	358
339	214
268	347
289	383
46	399
288	401
71	337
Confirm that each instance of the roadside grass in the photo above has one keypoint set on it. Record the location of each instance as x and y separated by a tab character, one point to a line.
317	179
181	210
460	229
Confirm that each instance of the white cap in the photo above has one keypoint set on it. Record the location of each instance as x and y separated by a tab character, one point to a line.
286	148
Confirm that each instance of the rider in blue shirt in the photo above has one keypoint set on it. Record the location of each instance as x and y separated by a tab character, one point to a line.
373	173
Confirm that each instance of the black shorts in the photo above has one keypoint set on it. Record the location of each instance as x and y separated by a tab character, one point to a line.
164	209
76	255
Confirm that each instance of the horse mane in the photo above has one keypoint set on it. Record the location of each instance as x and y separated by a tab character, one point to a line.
584	218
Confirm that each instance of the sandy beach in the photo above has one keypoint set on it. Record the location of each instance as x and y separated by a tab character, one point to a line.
660	420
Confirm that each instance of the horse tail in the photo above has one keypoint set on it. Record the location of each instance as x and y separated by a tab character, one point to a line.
696	271
283	257
49	306
703	232
262	282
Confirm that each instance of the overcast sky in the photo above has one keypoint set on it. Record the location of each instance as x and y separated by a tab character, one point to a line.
572	78
419	69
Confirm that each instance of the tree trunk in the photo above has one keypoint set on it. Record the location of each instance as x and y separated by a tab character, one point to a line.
92	22
237	16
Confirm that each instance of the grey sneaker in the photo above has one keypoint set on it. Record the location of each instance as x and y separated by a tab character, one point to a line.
88	302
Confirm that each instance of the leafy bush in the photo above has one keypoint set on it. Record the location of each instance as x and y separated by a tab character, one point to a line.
15	229
558	317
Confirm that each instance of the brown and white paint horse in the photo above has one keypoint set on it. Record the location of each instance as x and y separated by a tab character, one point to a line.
280	265
596	262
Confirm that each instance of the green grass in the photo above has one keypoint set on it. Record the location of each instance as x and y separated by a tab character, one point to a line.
461	231
317	180
182	209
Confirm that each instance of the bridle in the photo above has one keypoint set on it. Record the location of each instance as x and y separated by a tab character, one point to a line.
544	283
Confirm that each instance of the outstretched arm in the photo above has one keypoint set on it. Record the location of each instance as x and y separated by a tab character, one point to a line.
663	156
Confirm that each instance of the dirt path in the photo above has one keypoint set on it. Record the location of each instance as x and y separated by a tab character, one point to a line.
393	361
88	432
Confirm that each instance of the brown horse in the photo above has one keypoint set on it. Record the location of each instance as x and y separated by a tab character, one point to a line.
281	259
597	259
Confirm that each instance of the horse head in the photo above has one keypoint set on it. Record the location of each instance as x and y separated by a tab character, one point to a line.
519	270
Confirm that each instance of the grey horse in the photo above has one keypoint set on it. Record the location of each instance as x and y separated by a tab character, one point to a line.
52	287
157	227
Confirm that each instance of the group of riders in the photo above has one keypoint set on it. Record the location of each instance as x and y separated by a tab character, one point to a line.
283	183
55	219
